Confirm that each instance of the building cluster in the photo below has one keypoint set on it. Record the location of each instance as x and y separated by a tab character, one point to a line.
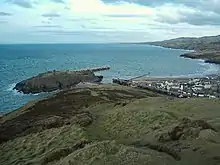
184	87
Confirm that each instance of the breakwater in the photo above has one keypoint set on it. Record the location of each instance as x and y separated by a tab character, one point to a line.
96	69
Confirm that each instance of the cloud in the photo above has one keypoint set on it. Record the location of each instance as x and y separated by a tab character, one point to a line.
51	15
97	7
200	4
46	22
98	36
58	1
5	14
47	26
173	14
154	3
22	3
125	15
3	22
108	20
59	32
202	18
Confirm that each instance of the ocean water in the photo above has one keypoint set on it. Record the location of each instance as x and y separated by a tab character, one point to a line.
19	62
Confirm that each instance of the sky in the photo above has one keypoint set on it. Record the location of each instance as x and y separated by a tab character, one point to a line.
106	21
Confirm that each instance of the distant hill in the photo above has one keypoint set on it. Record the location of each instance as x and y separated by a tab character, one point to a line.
206	48
191	43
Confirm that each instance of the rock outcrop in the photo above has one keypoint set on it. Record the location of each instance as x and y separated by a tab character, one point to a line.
207	56
185	130
56	80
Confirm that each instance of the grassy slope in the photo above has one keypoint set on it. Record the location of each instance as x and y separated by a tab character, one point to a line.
124	130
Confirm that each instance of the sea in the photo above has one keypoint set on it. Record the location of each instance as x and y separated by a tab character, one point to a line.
19	62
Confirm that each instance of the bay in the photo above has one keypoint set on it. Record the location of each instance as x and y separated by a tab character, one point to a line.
19	62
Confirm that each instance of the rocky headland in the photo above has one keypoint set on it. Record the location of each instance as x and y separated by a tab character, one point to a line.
208	56
57	80
113	125
205	48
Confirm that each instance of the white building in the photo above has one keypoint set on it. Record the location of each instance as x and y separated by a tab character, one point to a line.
207	86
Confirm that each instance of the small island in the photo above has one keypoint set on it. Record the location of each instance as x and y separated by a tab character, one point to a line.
58	80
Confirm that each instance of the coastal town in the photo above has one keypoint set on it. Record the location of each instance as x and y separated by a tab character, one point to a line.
208	86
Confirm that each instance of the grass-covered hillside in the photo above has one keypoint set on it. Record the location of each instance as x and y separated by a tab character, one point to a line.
112	125
191	43
206	48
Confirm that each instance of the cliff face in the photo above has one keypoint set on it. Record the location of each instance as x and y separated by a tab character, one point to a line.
54	80
113	125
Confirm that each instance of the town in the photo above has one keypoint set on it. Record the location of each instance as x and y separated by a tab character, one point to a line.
208	86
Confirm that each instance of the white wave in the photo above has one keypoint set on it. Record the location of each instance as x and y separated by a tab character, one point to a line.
10	87
162	47
210	68
179	76
201	60
36	94
213	69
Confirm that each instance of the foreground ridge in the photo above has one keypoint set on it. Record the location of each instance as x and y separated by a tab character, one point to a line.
112	124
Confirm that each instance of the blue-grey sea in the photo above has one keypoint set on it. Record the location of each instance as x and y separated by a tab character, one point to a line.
18	62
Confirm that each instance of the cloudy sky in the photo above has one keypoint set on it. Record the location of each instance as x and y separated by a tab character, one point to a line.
68	21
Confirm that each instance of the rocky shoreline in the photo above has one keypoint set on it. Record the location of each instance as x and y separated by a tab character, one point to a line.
207	56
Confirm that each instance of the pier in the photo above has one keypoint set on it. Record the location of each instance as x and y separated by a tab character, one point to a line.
96	69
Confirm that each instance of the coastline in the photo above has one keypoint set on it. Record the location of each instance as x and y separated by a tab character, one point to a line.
158	46
192	54
75	125
117	71
206	48
208	56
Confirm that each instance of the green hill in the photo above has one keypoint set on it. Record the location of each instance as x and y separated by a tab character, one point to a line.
206	48
112	125
190	43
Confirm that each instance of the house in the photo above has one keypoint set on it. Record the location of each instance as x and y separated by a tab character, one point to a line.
201	95
207	86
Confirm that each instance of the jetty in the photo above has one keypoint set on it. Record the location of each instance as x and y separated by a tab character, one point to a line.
96	69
